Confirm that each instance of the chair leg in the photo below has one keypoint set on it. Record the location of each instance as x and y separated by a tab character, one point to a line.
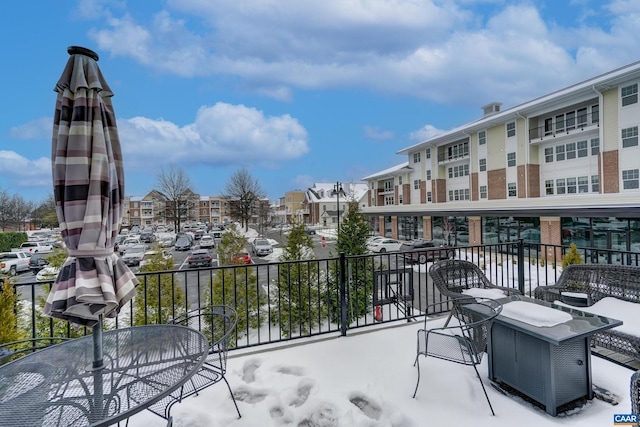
232	396
483	389
418	382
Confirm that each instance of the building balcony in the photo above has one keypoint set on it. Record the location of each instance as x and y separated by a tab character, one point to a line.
444	158
563	128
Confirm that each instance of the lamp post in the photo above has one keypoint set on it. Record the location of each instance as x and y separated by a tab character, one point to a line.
338	189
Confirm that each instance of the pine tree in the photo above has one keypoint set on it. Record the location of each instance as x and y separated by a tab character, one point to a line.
9	313
571	257
158	299
237	287
352	240
299	298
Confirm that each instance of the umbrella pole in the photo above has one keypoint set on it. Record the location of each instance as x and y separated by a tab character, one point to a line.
98	361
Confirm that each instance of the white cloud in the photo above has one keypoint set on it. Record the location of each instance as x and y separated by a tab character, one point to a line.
424	133
19	171
441	51
35	129
222	135
372	132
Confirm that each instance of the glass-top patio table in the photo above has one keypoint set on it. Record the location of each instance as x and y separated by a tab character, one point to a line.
57	386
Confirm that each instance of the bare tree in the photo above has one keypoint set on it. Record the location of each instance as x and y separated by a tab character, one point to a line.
6	209
174	185
244	192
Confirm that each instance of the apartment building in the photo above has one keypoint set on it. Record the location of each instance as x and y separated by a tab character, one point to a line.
558	169
326	201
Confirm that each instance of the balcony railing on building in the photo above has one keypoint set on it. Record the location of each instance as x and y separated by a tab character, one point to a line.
553	128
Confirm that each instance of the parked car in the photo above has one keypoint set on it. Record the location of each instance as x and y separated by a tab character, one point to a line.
242	257
47	273
34	247
261	247
167	242
127	243
37	262
198	234
183	243
147	237
310	231
423	251
207	242
216	232
134	254
13	263
384	245
200	258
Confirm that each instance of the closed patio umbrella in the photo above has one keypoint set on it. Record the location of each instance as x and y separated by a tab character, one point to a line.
88	181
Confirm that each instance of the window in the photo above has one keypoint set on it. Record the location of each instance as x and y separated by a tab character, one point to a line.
583	184
548	155
595	183
388	200
388	185
483	165
583	149
373	185
630	179
399	180
450	195
629	94
548	187
571	150
560	186
630	137
595	146
571	120
560	152
135	204
416	184
548	126
595	113
571	185
482	138
511	129
559	122
399	199
511	188
483	191
416	157
428	153
429	175
582	117
428	196
511	159
450	172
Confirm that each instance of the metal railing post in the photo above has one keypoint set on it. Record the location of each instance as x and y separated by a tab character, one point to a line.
343	295
521	265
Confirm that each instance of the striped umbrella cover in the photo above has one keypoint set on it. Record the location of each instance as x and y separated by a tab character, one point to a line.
88	181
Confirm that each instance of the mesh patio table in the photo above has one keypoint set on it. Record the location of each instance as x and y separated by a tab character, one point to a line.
57	386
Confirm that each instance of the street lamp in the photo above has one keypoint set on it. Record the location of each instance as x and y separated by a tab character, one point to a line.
338	188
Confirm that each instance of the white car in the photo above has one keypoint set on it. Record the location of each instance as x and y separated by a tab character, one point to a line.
147	255
207	242
134	254
47	273
384	245
261	247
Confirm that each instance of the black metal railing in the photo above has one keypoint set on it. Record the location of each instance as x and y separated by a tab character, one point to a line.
288	300
564	126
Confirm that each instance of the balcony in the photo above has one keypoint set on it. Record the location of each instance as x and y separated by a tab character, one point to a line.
562	128
444	158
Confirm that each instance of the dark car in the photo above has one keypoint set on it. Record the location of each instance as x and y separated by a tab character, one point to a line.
147	237
200	258
310	231
423	251
182	244
37	262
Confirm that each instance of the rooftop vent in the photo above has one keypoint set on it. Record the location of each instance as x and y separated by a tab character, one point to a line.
491	109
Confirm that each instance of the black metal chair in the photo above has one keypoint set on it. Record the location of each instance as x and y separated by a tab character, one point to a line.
463	343
453	276
635	393
218	324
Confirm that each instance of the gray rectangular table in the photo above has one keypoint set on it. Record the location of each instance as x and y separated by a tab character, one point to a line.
551	365
57	386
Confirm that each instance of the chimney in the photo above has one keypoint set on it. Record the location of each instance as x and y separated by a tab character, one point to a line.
491	109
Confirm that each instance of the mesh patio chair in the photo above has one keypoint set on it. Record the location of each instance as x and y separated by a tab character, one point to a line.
635	393
218	324
463	343
453	276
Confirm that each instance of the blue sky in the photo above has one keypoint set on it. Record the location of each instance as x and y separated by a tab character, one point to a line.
296	91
